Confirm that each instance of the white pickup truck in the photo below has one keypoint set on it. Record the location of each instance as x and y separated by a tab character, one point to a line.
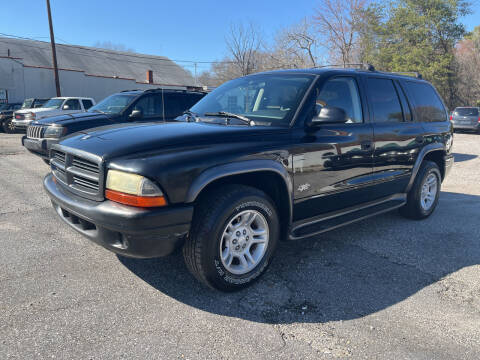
53	107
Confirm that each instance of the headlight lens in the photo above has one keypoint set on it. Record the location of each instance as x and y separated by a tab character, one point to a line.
55	131
133	189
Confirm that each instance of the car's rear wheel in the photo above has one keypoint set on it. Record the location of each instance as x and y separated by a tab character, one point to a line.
8	126
422	198
234	233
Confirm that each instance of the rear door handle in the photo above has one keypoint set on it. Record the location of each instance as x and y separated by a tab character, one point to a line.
366	145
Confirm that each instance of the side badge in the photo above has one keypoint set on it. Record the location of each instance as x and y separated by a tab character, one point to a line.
304	187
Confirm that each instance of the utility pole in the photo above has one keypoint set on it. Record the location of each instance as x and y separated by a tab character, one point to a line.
196	83
54	52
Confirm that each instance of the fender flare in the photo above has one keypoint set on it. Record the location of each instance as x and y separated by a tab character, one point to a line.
427	149
238	168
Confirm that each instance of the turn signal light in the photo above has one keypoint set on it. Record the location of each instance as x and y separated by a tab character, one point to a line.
135	200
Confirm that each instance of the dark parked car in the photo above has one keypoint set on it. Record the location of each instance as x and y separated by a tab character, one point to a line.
282	155
125	107
6	113
466	118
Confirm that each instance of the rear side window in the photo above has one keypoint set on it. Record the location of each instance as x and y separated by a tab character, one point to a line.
466	112
384	100
427	105
150	106
87	104
176	104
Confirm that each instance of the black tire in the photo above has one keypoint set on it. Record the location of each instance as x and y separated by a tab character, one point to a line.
213	213
413	208
8	126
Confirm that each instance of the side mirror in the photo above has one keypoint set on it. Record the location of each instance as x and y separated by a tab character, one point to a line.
135	115
328	115
65	107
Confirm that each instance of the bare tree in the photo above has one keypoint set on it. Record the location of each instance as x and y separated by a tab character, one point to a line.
338	22
244	43
467	56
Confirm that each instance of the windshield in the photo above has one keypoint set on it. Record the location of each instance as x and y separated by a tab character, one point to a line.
53	103
267	99
27	104
114	104
466	111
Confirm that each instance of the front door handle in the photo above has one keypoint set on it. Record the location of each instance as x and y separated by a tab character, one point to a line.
366	145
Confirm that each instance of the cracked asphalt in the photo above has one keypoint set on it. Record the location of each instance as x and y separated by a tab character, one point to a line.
383	288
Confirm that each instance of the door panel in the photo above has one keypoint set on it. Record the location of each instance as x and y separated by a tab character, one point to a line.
333	164
332	169
398	140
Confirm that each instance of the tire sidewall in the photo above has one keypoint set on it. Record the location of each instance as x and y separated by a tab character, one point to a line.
429	169
6	126
215	271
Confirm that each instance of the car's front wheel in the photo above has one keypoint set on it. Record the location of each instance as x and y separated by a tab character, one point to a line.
423	197
234	233
8	126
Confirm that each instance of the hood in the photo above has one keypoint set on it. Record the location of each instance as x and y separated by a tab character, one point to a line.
24	111
35	110
65	120
128	139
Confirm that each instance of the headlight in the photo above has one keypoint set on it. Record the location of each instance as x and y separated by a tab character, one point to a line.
30	116
133	189
55	131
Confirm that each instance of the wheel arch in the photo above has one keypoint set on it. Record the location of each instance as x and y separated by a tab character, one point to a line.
268	176
432	152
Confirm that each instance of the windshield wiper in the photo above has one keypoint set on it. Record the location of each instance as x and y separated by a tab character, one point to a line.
190	115
228	115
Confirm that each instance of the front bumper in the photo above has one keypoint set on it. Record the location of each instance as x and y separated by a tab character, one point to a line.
40	147
125	230
21	124
448	164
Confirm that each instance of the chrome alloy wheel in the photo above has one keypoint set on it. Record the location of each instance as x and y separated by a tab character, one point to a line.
244	242
429	192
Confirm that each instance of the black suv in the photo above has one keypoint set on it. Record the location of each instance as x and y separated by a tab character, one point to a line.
124	107
6	114
278	155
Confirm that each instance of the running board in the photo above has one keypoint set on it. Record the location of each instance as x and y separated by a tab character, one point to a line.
326	222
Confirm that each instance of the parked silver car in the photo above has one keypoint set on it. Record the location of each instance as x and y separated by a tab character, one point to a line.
466	118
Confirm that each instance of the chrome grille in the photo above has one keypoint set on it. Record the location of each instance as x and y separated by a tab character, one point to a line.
81	174
59	156
85	165
35	131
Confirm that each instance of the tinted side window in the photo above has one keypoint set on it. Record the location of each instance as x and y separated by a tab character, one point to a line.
341	92
73	104
407	111
384	100
87	104
428	106
150	105
175	105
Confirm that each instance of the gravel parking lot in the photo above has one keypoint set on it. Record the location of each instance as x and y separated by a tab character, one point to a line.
386	288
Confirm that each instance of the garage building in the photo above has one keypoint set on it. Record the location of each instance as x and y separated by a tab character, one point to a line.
26	71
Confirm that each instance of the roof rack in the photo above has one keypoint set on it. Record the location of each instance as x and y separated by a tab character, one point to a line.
409	73
362	66
130	90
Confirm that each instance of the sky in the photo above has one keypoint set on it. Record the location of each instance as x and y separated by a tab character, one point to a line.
181	30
